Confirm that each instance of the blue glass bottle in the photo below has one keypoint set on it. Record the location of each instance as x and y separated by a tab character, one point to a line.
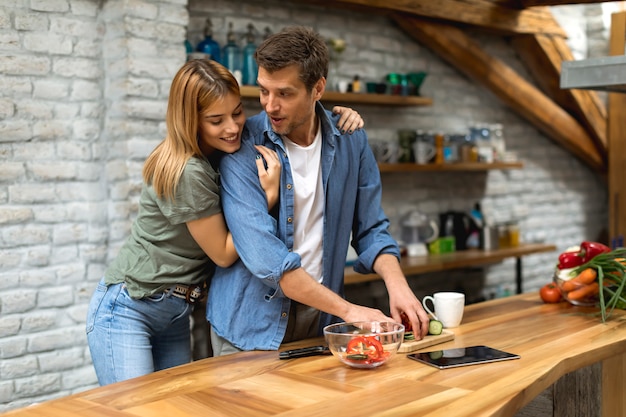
232	52
209	46
250	69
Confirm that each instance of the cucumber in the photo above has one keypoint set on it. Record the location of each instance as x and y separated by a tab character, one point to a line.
435	327
357	357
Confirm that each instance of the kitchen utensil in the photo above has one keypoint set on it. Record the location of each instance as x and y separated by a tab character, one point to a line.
458	224
364	344
447	307
430	340
423	151
303	352
417	231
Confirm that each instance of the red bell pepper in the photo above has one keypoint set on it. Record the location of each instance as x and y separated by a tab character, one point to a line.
366	350
570	260
589	250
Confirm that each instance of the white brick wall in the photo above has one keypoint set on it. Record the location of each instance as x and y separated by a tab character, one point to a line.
83	89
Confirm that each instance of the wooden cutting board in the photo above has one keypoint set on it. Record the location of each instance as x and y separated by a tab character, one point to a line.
413	345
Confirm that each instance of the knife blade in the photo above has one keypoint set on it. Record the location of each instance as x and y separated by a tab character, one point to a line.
303	352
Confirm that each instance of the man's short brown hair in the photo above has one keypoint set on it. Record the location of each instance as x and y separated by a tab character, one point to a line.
295	45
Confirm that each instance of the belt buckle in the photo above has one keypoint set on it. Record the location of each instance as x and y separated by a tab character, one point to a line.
194	292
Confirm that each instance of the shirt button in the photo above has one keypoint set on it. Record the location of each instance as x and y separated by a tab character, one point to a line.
283	315
289	186
289	219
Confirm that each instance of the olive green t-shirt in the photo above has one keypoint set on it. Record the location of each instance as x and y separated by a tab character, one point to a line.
160	252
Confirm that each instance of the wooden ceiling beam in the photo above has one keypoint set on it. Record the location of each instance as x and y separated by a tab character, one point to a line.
543	56
489	15
453	46
533	3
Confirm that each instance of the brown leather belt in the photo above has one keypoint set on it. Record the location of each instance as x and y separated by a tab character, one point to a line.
189	293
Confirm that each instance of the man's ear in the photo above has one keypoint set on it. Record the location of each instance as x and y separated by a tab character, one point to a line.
319	88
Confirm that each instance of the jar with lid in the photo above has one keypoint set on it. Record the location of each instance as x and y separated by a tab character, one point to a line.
497	141
469	150
482	136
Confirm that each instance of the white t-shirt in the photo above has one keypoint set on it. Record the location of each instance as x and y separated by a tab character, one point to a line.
306	170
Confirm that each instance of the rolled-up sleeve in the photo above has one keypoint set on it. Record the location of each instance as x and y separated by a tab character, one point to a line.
254	229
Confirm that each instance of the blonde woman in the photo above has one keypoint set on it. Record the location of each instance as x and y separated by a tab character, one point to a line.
138	318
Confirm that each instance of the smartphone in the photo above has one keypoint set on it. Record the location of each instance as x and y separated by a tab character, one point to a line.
472	355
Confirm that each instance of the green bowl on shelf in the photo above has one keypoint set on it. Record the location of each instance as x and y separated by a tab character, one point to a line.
415	81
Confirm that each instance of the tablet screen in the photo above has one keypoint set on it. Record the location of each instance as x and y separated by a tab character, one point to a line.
450	358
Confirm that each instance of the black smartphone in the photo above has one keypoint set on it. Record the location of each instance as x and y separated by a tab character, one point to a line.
472	355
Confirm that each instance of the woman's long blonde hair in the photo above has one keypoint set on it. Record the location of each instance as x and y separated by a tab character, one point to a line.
197	86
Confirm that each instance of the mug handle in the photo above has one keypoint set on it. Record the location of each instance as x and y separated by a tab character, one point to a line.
428	297
431	154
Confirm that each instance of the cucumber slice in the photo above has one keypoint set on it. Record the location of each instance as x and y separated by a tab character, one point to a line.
435	327
357	357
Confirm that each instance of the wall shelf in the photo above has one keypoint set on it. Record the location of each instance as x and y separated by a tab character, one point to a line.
460	166
455	260
356	98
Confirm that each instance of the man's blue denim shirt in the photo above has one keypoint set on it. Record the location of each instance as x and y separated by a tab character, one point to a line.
246	305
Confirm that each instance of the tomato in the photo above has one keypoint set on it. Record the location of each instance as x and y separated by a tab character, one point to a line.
406	323
550	293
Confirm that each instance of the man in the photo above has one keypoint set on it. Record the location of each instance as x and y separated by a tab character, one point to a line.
288	283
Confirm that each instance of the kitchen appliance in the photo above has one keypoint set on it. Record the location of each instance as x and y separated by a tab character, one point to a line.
460	225
417	231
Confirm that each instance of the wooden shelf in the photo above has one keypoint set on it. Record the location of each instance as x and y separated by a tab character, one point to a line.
460	259
356	98
460	166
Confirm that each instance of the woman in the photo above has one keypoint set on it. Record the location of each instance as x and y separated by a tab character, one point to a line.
138	318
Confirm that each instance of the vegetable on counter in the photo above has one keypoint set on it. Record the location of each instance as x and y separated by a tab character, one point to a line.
590	250
585	277
550	293
602	274
365	349
435	327
578	255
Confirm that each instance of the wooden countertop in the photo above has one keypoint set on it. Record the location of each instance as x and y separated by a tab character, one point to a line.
460	259
552	339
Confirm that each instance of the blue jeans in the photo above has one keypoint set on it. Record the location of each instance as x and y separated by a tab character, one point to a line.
129	338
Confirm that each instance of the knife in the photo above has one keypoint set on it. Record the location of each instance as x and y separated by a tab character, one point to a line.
302	352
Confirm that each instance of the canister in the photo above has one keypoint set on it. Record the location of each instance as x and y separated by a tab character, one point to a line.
489	238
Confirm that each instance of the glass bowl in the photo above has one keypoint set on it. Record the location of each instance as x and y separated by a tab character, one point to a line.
563	275
364	344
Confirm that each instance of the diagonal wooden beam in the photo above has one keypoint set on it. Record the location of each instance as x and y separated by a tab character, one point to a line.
543	55
617	137
453	46
533	3
486	14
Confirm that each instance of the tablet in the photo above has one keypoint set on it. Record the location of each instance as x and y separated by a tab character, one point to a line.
451	358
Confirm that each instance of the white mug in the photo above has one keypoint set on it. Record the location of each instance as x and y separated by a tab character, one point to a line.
423	151
448	307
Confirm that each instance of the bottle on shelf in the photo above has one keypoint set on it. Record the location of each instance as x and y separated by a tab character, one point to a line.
231	51
250	69
439	157
188	49
208	45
